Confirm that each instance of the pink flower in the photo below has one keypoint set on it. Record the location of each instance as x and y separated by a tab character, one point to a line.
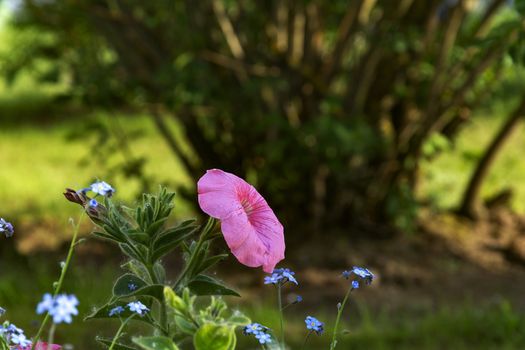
41	346
251	229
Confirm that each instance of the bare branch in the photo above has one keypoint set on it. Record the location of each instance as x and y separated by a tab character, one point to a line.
227	29
163	128
239	67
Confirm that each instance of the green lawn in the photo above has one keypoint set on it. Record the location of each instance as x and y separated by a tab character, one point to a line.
485	326
445	177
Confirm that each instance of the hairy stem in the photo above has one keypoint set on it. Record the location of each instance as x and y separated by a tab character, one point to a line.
306	339
339	313
119	332
58	286
205	233
51	337
281	318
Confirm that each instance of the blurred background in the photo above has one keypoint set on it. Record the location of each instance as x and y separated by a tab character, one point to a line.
383	133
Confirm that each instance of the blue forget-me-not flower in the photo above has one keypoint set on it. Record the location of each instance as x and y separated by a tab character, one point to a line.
6	228
314	325
117	310
61	308
138	307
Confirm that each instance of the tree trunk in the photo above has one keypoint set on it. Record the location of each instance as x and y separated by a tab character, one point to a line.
470	205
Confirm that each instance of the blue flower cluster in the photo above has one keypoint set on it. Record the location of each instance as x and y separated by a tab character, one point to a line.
281	276
6	228
362	273
260	332
100	188
61	308
14	335
314	325
134	306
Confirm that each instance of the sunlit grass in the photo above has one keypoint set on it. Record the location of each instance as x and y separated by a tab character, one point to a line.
445	177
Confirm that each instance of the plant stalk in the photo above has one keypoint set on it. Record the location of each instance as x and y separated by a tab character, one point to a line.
339	313
281	318
58	286
119	332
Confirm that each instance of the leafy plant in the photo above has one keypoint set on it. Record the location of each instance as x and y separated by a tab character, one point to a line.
145	237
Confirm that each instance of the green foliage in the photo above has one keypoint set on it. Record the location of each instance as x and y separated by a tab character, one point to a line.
214	337
142	233
155	343
345	114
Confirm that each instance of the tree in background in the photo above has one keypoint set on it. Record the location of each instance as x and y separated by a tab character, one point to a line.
336	97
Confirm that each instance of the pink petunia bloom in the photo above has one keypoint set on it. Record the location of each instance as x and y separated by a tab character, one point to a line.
251	229
41	346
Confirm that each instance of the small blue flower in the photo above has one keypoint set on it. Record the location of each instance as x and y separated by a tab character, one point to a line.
281	276
12	329
132	286
253	328
298	299
7	228
346	274
93	203
289	276
355	284
64	309
363	273
102	188
263	338
61	308
46	304
313	324
2	311
116	311
20	339
273	279
138	307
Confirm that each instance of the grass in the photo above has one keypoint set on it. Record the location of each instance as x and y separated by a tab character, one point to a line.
449	172
467	327
40	157
490	326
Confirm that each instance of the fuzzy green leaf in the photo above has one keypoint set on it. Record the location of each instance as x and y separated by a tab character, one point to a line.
206	285
215	337
117	346
122	286
155	343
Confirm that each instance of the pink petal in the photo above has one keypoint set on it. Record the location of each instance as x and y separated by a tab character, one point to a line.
217	193
251	229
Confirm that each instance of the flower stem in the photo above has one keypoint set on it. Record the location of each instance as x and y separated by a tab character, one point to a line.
205	233
163	309
58	286
51	337
339	313
306	339
119	332
281	318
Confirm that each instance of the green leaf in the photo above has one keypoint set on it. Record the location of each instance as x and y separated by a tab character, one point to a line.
206	285
117	346
155	227
155	343
131	252
170	239
106	236
239	319
103	312
174	301
122	286
215	337
3	344
184	325
209	262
